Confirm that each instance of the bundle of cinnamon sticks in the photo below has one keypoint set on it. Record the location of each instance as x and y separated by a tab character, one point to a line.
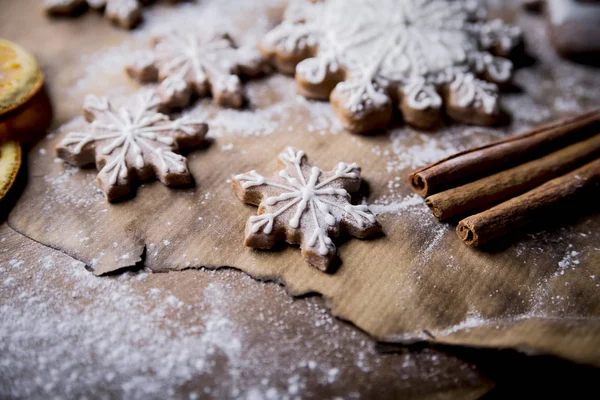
509	184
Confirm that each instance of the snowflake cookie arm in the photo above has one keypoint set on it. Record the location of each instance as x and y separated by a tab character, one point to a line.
497	41
472	100
143	68
62	7
266	229
420	103
79	148
291	42
498	37
224	65
492	68
362	104
170	61
250	62
97	4
472	96
337	186
125	13
276	196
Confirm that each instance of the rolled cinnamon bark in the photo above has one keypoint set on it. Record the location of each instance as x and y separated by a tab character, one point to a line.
483	161
486	192
514	214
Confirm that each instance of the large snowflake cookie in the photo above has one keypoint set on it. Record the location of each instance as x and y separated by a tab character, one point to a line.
130	143
423	55
304	205
125	13
188	66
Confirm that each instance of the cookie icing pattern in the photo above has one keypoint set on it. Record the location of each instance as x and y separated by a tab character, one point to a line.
305	205
132	142
185	65
421	54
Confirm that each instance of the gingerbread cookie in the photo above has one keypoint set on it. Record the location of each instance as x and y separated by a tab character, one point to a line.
187	66
423	56
304	205
134	142
125	13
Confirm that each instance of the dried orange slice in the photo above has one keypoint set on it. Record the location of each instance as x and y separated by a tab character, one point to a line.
20	76
10	162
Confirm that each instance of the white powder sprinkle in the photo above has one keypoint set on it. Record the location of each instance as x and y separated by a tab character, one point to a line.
397	206
123	336
569	261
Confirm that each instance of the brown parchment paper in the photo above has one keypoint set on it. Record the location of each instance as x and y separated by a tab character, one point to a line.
538	293
212	334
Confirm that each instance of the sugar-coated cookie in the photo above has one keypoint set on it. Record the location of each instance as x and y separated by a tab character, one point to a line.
423	57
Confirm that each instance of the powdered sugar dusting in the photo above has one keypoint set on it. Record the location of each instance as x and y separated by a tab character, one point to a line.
272	106
147	336
411	149
397	206
569	261
108	64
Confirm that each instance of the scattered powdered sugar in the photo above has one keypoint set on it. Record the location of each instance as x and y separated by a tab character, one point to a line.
397	206
108	63
436	237
79	193
273	106
321	118
411	148
203	335
229	122
123	333
472	320
569	261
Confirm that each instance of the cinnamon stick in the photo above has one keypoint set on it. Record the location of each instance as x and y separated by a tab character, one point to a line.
476	163
532	206
486	192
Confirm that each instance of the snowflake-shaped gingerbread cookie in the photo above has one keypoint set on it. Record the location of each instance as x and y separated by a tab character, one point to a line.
422	55
132	143
125	13
304	205
188	66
